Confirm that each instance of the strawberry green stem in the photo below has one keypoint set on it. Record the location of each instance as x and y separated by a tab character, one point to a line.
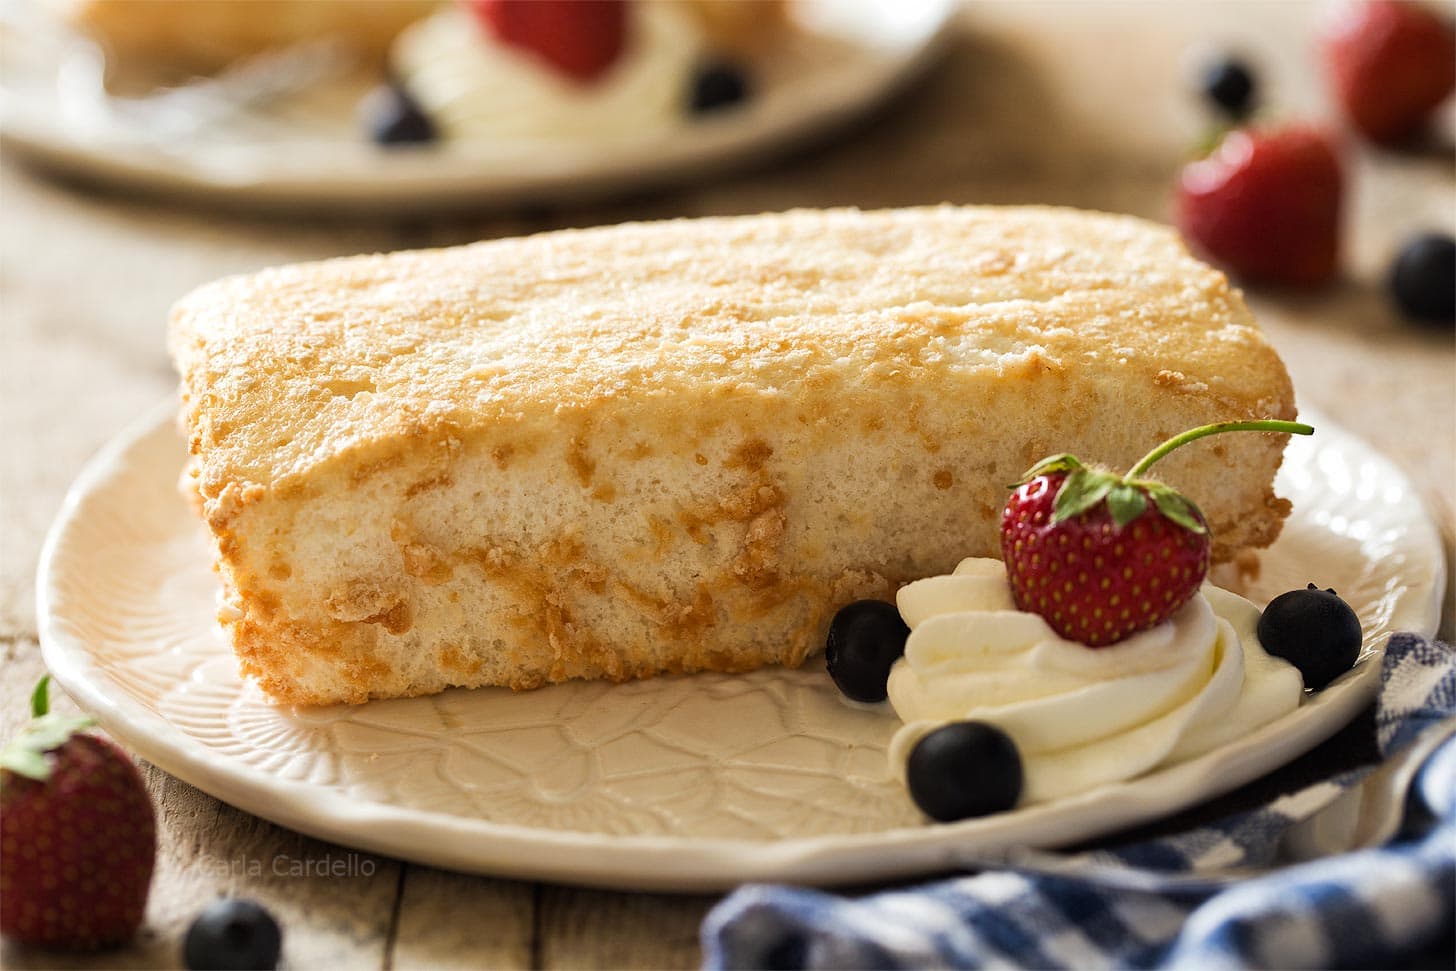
1193	434
26	753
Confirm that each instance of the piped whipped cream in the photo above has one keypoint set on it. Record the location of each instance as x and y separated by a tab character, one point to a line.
475	88
1082	717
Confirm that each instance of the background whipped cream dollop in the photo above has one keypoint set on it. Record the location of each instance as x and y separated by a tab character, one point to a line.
1082	717
475	88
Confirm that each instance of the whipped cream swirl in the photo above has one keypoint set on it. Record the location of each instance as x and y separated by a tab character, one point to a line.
1082	717
475	88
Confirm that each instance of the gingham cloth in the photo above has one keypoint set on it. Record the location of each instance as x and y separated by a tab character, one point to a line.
1169	902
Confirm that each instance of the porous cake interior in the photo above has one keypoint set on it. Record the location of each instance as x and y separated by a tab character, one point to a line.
680	446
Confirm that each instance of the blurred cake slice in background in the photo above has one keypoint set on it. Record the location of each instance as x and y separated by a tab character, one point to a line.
202	36
738	26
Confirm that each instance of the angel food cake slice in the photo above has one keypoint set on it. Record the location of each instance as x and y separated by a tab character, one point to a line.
680	446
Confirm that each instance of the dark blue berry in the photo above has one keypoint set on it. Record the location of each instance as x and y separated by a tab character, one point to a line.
391	117
1229	85
718	86
1423	279
1315	631
788	953
964	769
233	935
866	638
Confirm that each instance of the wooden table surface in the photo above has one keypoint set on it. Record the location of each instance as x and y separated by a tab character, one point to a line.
1075	103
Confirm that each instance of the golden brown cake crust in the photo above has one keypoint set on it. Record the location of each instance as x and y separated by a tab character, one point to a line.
338	356
671	423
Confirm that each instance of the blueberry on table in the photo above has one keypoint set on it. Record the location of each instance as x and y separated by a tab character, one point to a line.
1423	279
391	117
1228	84
718	86
233	935
866	638
964	769
1315	631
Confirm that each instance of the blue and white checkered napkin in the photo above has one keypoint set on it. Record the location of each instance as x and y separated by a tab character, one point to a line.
1169	902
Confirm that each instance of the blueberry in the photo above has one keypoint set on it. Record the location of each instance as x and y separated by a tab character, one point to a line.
1315	631
866	638
233	935
717	86
788	953
964	769
1423	279
1229	85
392	118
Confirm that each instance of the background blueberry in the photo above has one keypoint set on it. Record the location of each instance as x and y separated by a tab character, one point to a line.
233	935
1423	279
718	86
1228	84
391	117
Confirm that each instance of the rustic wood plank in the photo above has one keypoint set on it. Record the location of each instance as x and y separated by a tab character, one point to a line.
1027	107
51	425
335	905
454	920
582	928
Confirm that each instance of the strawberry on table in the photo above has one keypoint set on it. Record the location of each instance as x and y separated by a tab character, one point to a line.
580	38
1102	556
1392	64
77	835
1265	204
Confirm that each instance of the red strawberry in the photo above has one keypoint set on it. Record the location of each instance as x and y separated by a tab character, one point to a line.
1102	556
77	836
581	38
1266	205
1391	63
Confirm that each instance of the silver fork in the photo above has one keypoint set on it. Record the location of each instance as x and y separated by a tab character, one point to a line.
239	90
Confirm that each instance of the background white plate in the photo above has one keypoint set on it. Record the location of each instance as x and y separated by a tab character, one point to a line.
849	56
682	783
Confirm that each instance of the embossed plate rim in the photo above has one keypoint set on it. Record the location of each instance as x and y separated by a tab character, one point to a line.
676	863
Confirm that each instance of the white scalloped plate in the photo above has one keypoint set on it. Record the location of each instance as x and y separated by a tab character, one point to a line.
675	783
846	57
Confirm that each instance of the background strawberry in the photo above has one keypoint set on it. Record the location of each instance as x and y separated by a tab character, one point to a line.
1392	64
580	38
77	836
1102	556
1266	205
